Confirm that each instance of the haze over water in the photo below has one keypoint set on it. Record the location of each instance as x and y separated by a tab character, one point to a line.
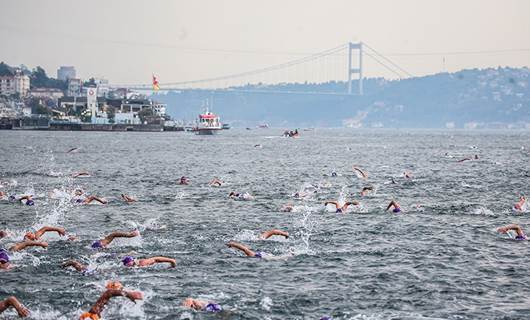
440	259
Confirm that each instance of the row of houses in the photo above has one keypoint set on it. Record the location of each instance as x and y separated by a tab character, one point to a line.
107	110
18	83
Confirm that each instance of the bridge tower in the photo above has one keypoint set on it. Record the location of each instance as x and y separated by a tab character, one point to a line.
359	70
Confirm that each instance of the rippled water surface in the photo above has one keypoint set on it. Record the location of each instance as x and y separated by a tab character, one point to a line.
440	259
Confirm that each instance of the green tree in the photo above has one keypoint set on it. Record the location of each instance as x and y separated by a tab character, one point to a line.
145	113
111	113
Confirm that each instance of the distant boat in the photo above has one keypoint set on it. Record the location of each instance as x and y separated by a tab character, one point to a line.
226	126
263	126
208	124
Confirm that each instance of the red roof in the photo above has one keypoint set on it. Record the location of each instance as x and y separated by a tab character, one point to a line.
207	116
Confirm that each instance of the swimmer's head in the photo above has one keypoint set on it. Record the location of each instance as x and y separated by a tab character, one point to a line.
128	261
97	245
114	285
30	236
4	258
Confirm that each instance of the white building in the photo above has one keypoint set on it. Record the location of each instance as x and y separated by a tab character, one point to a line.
74	87
103	87
18	83
65	72
46	93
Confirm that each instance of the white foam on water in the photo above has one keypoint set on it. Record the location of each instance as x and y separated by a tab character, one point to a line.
266	303
482	211
246	235
149	224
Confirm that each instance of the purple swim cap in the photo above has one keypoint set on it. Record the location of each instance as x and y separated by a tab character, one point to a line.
97	245
213	307
325	318
127	260
4	258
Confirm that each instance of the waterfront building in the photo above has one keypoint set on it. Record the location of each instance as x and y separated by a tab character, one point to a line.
102	86
12	84
46	93
74	87
65	72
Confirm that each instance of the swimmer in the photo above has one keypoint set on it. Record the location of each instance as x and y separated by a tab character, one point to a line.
519	206
407	174
114	289
333	173
28	200
184	180
33	236
339	208
27	243
103	243
366	190
78	266
13	302
360	173
4	260
287	208
468	159
246	250
518	230
215	182
397	208
240	196
201	305
274	232
127	198
80	174
80	198
129	261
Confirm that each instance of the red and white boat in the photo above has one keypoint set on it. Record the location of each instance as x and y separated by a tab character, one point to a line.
208	124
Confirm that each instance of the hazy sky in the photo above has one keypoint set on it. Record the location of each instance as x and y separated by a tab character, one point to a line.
126	41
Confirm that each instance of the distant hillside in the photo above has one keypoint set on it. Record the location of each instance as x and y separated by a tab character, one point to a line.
489	98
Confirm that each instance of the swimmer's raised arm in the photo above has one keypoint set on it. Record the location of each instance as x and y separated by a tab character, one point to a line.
97	308
350	203
78	174
513	227
335	203
78	266
118	234
127	198
274	232
153	260
26	197
24	244
13	302
392	204
45	229
239	246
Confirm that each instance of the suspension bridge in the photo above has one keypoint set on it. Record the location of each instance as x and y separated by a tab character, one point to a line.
341	64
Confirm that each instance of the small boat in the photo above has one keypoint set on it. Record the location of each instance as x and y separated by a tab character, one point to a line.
226	126
208	124
263	126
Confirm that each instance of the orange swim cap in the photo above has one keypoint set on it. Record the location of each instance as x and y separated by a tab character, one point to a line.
89	316
114	285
